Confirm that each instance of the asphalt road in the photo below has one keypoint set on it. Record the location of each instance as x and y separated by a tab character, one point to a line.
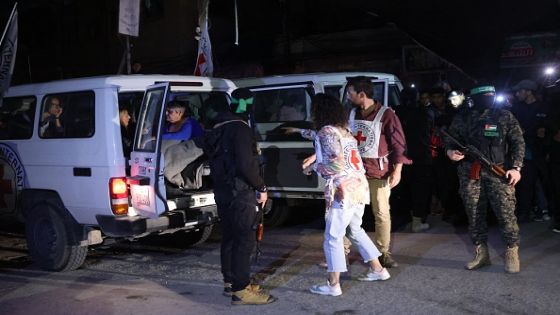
162	277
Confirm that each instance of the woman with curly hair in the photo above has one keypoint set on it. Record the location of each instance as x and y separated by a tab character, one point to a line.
346	192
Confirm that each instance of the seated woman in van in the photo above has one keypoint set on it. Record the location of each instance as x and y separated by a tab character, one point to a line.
51	124
178	125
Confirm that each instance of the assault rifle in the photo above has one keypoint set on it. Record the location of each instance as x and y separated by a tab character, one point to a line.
259	222
259	228
475	153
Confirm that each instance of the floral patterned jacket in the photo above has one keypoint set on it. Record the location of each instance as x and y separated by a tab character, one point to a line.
340	164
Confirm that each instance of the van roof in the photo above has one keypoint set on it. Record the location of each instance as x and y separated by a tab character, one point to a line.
327	77
135	82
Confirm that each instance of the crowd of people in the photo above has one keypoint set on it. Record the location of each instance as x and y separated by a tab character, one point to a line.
462	149
424	114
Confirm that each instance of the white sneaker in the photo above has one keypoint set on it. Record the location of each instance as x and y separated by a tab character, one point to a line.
326	289
374	275
420	228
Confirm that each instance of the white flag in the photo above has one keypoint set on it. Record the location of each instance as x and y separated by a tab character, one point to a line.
204	66
129	17
8	51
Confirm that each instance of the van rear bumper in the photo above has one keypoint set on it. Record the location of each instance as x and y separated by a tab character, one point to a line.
125	226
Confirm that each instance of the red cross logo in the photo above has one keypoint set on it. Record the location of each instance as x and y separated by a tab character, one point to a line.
360	137
355	159
5	188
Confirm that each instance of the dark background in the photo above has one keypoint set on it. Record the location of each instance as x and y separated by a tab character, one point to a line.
71	38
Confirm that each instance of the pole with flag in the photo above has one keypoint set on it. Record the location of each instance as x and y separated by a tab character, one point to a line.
204	65
8	49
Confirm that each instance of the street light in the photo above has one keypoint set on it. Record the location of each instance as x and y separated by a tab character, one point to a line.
549	71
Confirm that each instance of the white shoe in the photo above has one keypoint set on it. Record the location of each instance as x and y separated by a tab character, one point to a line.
420	228
374	275
326	289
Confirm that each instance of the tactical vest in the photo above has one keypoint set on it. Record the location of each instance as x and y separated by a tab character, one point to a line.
488	134
368	135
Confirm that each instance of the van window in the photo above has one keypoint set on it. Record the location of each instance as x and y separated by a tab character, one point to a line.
394	96
333	90
132	102
282	105
16	117
201	104
68	115
148	120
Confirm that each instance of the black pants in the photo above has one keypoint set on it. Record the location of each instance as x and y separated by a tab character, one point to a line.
555	183
525	190
417	182
446	187
238	216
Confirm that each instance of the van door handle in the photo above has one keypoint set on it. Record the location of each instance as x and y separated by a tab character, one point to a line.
82	171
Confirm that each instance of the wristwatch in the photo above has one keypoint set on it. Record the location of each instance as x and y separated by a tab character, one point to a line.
517	168
262	189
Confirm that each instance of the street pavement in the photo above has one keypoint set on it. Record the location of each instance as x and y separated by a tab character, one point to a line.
160	276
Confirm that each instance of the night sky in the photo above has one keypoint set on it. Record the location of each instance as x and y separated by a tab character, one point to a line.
467	33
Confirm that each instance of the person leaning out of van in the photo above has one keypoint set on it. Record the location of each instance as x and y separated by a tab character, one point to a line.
51	121
179	125
127	130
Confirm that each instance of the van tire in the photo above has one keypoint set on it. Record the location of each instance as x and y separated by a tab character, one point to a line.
278	214
49	240
201	236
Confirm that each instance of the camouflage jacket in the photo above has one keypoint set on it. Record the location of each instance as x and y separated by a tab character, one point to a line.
495	132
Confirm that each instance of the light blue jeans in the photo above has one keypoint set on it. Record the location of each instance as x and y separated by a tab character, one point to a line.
346	219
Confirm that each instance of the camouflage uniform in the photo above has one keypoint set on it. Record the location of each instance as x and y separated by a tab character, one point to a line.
497	134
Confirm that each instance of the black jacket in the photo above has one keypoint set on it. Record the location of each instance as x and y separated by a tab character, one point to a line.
232	150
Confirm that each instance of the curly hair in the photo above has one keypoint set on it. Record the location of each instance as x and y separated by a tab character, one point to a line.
327	110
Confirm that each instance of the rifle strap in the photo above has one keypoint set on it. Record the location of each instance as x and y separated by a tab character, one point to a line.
475	170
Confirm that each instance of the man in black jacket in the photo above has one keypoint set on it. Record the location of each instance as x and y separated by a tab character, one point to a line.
238	187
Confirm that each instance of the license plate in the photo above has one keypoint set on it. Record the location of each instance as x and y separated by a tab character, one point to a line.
140	195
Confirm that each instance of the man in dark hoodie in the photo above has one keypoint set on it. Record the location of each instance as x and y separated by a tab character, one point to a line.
238	187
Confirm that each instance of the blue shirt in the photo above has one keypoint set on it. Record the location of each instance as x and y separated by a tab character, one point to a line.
190	129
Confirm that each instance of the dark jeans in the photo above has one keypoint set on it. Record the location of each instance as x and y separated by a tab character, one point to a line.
555	183
417	182
525	190
238	215
447	187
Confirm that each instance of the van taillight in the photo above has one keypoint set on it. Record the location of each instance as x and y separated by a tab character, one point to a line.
118	192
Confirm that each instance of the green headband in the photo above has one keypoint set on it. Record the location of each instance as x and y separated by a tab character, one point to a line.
242	108
483	89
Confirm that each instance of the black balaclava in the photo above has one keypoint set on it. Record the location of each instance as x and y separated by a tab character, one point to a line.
483	97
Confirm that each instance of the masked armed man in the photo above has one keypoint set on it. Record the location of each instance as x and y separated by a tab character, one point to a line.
497	134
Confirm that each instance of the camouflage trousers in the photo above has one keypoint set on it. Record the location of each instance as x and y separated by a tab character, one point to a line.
491	191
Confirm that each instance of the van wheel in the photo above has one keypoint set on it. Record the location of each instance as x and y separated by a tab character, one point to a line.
200	236
278	213
49	241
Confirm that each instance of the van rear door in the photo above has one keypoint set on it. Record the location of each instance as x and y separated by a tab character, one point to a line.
147	187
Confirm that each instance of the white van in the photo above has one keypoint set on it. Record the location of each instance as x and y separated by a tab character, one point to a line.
70	184
285	101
